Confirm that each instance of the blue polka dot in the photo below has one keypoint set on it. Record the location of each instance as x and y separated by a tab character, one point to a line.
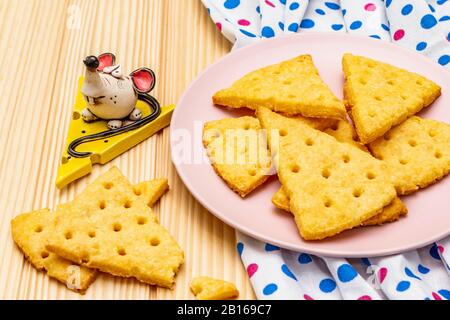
403	286
366	261
428	21
445	293
444	18
304	258
258	9
288	272
270	247
431	8
307	23
388	3
327	285
385	27
231	4
267	32
444	60
441	2
294	6
410	274
344	11
337	27
270	288
320	11
346	273
355	25
281	25
332	5
421	46
426	298
434	249
293	27
283	2
240	248
407	9
248	34
422	269
375	36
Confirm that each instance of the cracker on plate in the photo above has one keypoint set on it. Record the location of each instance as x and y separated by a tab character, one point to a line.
381	96
332	186
417	153
291	87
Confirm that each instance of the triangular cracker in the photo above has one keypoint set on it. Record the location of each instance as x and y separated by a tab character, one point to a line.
206	288
417	153
291	87
108	227
238	152
344	132
333	186
30	232
381	96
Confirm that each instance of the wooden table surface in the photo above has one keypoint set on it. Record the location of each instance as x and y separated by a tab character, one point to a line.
42	44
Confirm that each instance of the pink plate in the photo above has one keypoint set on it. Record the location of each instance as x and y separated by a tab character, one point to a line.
429	209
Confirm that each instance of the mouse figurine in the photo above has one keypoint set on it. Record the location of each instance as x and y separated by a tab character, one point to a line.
110	95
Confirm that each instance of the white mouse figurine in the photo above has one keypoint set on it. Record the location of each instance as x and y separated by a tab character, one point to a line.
110	95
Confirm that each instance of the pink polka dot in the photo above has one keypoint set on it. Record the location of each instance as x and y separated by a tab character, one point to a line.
370	7
382	273
244	22
400	33
307	297
436	296
270	4
441	249
219	26
251	269
365	298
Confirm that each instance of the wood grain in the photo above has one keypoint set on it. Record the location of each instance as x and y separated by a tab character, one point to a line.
42	43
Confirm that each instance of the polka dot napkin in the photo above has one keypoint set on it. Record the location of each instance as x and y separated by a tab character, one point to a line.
421	25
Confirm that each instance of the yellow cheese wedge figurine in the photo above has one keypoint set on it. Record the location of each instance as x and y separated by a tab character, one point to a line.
112	113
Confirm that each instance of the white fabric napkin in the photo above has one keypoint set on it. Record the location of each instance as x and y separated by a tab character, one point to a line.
421	25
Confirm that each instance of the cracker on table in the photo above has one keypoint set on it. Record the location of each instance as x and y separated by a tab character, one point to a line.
332	186
108	227
381	96
237	150
206	288
30	232
291	87
417	153
151	191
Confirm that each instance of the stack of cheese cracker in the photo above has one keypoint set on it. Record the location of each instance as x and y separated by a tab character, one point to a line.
109	227
336	174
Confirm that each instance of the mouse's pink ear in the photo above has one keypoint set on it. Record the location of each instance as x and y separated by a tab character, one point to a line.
143	80
106	60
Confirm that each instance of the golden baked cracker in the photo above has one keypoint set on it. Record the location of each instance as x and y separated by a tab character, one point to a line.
344	132
381	96
152	190
30	232
206	288
291	87
281	200
332	186
108	227
417	153
238	152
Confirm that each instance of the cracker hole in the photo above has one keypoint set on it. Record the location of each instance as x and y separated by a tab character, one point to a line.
283	132
419	82
335	127
370	64
38	229
387	137
378	98
127	204
326	173
154	242
121	251
379	157
370	175
91	234
295	168
346	158
252	172
432	133
403	97
102	205
44	254
357	193
363	81
141	220
328	203
438	154
68	235
85	258
246	126
117	227
137	191
412	143
391	82
372	114
309	142
108	185
403	161
287	82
